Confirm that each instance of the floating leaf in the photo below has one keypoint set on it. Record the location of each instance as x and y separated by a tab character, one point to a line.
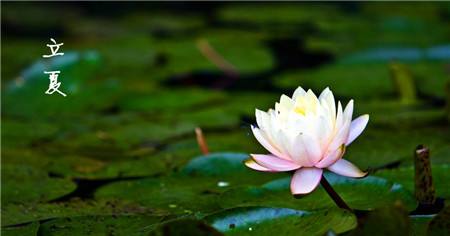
30	212
196	189
282	221
363	194
185	226
405	177
386	220
101	225
440	224
30	229
23	183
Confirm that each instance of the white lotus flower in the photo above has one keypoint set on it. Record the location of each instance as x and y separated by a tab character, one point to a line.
306	134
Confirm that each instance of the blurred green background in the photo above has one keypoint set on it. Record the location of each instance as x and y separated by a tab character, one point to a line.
115	154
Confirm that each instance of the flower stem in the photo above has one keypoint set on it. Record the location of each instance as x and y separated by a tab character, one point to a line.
201	141
336	198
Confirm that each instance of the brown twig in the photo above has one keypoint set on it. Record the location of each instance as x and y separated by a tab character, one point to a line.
201	141
336	198
218	60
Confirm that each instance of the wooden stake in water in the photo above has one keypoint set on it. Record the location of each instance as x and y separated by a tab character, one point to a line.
424	189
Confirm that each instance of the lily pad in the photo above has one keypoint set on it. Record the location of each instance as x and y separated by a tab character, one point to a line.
170	100
243	49
378	147
23	184
195	189
440	225
185	226
23	134
282	221
30	229
363	194
355	81
101	225
405	177
30	212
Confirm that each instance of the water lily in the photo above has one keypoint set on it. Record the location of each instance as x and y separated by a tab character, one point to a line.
307	134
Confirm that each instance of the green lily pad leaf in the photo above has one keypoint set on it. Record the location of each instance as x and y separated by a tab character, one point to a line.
441	52
178	194
440	224
397	145
282	221
278	15
114	142
364	194
185	226
30	212
228	166
23	183
75	64
209	118
405	177
387	220
101	225
355	81
195	189
419	224
43	106
243	49
170	100
78	166
22	134
30	229
182	193
88	168
217	164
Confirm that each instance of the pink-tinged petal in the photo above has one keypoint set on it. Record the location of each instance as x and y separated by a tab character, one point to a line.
266	143
356	128
305	180
274	163
345	168
331	158
250	163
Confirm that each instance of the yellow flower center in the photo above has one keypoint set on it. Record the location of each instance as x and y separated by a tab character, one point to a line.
304	104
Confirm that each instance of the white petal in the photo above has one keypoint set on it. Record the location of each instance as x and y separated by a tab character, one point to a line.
312	149
299	92
339	116
285	104
348	111
327	98
259	135
284	144
356	128
262	119
299	152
